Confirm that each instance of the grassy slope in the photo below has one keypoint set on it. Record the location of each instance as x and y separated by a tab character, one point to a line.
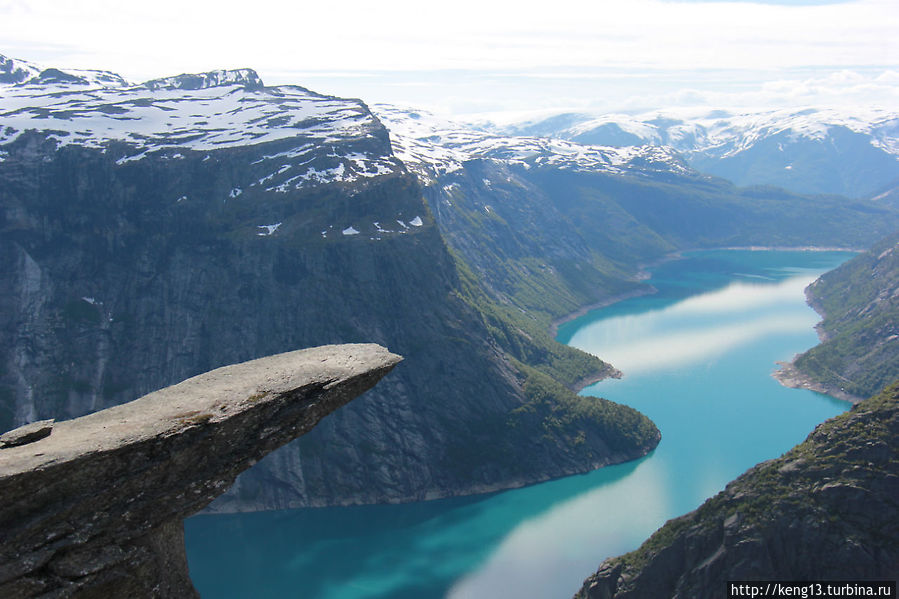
860	304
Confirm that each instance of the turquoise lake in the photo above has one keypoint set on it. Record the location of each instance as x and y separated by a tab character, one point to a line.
697	358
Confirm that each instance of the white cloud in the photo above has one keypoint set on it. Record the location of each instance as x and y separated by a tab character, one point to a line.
634	51
150	39
842	87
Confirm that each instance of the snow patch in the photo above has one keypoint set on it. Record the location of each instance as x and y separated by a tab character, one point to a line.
416	222
235	192
350	231
125	159
220	109
432	147
269	229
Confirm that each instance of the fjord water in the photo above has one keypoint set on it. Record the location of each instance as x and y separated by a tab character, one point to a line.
697	357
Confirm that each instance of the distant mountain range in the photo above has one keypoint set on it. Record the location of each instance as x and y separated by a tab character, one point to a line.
150	232
433	146
812	150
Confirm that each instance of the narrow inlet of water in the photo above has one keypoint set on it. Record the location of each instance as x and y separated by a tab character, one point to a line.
697	357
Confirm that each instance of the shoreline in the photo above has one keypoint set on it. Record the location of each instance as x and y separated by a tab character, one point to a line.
610	373
641	290
642	274
783	248
620	297
786	374
789	376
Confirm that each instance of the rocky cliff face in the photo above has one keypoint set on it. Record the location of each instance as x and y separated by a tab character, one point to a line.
153	232
95	507
826	510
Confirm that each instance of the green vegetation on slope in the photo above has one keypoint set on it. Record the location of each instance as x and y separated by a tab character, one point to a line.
588	431
860	304
621	428
525	338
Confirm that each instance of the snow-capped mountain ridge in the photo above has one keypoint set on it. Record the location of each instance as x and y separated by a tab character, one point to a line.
822	150
702	131
13	71
245	77
328	139
431	147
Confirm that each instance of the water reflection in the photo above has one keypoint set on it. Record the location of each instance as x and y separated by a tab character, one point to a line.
410	551
698	328
559	544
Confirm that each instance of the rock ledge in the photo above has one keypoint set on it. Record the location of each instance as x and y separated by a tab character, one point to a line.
95	509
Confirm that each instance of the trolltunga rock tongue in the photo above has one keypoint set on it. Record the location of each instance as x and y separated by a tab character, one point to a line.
95	509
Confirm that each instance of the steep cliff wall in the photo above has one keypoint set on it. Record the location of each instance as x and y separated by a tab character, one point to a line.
826	510
131	262
95	508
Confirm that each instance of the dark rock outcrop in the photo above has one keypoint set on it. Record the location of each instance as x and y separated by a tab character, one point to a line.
95	509
826	510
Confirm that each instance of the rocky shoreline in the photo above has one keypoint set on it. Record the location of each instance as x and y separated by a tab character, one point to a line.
789	376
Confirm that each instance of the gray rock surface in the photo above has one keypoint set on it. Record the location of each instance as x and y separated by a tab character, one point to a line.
96	508
28	433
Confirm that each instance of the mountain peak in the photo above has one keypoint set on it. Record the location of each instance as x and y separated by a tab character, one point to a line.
56	77
245	77
14	71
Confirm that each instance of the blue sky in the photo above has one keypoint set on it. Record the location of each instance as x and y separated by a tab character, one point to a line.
477	56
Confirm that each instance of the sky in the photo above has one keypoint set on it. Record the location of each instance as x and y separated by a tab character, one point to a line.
481	56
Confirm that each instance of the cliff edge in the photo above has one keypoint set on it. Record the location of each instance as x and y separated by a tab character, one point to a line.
826	510
95	508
